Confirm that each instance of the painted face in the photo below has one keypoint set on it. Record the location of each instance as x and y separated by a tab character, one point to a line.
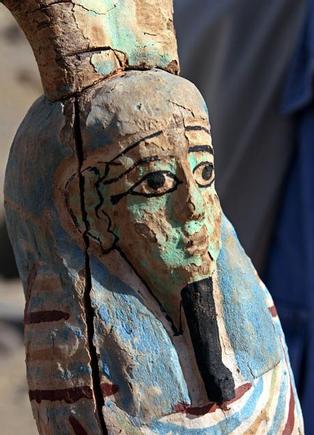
160	198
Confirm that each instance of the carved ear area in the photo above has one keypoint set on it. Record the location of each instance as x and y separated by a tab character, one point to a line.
97	222
82	212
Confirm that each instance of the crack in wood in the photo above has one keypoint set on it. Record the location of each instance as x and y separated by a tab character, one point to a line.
74	3
96	12
88	280
53	3
93	50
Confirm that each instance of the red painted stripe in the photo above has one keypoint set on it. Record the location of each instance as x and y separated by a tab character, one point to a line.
69	395
197	411
240	391
45	316
273	311
290	421
109	389
212	407
76	426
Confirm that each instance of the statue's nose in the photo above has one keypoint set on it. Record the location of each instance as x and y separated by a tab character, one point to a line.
193	209
191	203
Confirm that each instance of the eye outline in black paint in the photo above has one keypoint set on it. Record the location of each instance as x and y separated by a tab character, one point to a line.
116	198
204	164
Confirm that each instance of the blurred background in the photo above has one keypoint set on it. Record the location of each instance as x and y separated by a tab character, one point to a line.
253	62
19	87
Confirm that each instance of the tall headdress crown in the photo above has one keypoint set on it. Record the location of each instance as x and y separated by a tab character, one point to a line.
80	42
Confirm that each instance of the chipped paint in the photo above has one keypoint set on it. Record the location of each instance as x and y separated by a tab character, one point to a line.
112	210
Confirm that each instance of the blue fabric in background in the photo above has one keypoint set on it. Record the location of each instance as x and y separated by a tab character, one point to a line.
242	78
290	272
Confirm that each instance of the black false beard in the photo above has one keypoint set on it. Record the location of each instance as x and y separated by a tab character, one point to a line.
200	312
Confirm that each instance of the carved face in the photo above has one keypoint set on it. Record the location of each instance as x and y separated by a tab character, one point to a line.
152	188
160	198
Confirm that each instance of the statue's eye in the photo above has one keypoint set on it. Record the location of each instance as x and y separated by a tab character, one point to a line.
204	174
156	184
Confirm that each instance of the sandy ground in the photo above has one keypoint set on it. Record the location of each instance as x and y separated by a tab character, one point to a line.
19	87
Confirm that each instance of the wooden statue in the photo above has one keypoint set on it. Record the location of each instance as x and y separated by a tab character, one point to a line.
143	314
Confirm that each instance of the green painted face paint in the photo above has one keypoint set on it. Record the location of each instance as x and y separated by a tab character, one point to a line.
167	212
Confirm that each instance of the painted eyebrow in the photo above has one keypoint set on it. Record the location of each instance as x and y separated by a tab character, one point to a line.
139	162
156	134
199	148
134	145
197	128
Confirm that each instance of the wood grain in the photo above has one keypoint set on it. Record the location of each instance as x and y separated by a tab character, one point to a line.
77	43
143	313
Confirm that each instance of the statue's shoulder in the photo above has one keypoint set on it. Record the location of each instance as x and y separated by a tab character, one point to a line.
249	314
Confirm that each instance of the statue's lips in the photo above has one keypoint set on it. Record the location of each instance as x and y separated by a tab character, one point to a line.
198	245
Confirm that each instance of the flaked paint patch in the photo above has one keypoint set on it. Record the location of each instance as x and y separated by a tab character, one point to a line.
105	62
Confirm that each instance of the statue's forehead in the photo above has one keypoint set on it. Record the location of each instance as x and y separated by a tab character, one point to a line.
174	145
199	133
163	142
124	111
172	141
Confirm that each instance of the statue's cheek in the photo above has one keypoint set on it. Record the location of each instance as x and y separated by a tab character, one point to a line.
153	229
144	231
213	224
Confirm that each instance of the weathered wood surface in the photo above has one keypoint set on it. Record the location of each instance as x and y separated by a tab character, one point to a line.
79	42
143	313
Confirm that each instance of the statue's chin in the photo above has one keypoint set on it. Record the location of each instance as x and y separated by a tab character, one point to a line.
194	269
200	268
